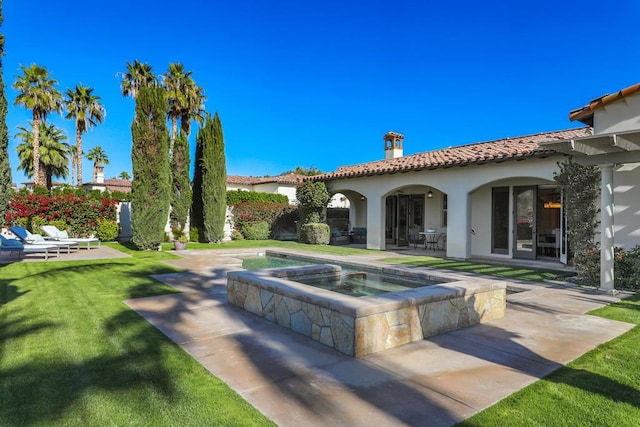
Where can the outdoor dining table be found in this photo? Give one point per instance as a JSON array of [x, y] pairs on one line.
[[430, 239]]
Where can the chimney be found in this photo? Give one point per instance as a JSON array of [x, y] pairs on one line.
[[393, 145], [99, 178]]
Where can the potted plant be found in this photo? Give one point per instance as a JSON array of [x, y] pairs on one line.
[[180, 239]]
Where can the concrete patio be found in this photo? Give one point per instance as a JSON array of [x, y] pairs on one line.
[[436, 382]]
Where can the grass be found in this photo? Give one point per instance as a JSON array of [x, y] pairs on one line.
[[505, 271], [245, 244], [602, 387], [72, 353]]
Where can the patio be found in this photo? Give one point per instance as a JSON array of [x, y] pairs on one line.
[[438, 381]]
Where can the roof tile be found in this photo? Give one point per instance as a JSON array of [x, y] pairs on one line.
[[520, 147]]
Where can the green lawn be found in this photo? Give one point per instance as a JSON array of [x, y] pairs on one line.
[[72, 353], [601, 388], [244, 244], [497, 270]]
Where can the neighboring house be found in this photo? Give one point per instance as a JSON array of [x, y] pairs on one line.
[[281, 184], [30, 185], [497, 199], [112, 184]]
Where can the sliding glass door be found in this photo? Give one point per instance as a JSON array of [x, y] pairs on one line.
[[524, 200]]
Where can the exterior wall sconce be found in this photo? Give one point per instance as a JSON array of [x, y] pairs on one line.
[[362, 198], [429, 194]]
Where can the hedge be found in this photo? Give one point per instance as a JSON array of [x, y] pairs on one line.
[[235, 197], [277, 216], [80, 214]]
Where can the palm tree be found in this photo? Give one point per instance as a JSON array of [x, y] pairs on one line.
[[194, 108], [138, 75], [37, 93], [54, 152], [124, 175], [99, 157], [185, 100], [87, 111]]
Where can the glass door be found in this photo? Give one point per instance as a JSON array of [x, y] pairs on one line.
[[403, 223], [524, 244]]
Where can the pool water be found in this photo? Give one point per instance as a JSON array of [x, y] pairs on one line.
[[351, 282]]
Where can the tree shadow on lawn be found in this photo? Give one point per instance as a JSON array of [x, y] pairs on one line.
[[130, 359]]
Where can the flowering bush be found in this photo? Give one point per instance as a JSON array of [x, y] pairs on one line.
[[626, 267], [79, 214]]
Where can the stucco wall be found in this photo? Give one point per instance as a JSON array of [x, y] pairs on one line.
[[626, 181], [457, 183], [619, 116]]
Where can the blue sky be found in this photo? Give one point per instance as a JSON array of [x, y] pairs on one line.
[[300, 83]]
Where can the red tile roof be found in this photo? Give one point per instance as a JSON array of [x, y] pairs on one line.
[[252, 180], [499, 150], [113, 184], [585, 114]]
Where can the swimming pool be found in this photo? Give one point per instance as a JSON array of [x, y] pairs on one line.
[[368, 323], [355, 282]]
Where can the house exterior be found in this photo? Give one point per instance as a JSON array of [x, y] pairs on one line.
[[281, 184], [498, 199], [112, 184]]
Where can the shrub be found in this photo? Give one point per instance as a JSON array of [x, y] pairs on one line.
[[315, 233], [107, 230], [256, 231], [626, 267], [36, 224], [78, 215], [277, 216], [194, 234], [235, 197], [236, 235]]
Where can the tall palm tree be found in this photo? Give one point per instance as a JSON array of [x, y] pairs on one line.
[[124, 175], [194, 109], [138, 75], [54, 152], [37, 92], [85, 107], [99, 157], [185, 100]]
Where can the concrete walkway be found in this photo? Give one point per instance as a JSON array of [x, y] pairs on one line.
[[435, 382]]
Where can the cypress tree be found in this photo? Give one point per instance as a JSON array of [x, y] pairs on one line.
[[5, 168], [214, 183], [181, 186], [151, 187], [197, 220]]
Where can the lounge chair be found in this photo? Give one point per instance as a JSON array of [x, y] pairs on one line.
[[28, 238], [15, 246], [53, 233]]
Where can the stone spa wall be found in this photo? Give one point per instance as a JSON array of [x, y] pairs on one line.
[[357, 326]]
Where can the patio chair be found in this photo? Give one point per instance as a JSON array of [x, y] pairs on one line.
[[415, 237], [15, 246], [27, 238], [53, 233]]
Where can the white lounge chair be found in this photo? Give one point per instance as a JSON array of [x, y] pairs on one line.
[[15, 246], [29, 239], [53, 233]]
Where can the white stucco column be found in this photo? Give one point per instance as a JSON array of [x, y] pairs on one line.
[[375, 224], [459, 225], [606, 229]]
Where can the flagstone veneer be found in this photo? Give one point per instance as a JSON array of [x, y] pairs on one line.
[[358, 326]]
